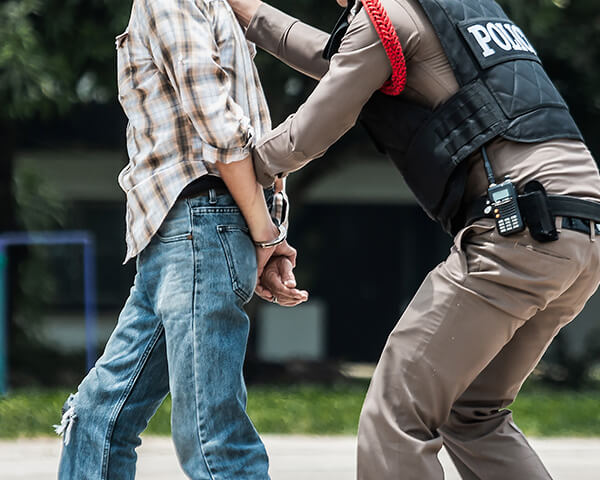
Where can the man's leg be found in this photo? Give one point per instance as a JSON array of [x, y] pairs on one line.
[[466, 310], [104, 419], [480, 434], [199, 288]]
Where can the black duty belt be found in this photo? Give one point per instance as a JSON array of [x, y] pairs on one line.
[[576, 213], [202, 185]]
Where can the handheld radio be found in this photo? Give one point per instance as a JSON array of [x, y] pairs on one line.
[[502, 202]]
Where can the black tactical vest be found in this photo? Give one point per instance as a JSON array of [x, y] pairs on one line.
[[504, 92]]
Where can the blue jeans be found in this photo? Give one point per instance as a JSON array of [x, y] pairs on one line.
[[183, 329]]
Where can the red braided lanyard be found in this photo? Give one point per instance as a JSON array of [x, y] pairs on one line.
[[391, 43]]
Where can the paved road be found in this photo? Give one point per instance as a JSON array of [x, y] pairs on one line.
[[292, 458]]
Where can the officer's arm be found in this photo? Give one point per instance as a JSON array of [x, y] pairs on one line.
[[356, 71], [295, 43]]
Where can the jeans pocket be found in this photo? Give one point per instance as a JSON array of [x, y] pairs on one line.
[[240, 255], [177, 226]]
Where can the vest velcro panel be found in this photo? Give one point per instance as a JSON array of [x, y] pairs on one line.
[[458, 128]]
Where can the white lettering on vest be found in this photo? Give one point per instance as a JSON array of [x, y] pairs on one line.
[[483, 38], [511, 36], [506, 36], [499, 37], [523, 38]]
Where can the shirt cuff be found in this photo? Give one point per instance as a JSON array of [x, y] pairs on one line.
[[212, 154], [268, 27], [263, 174], [280, 208]]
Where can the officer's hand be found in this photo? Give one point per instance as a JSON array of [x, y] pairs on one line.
[[245, 9], [279, 283]]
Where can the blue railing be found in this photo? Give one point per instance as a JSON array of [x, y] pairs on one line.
[[89, 287]]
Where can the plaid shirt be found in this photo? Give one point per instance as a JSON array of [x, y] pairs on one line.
[[191, 92]]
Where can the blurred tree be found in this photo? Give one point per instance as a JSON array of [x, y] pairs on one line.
[[53, 55], [57, 55], [566, 34]]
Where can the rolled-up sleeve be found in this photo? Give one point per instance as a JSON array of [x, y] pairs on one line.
[[184, 47]]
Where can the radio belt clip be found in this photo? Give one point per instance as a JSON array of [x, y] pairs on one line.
[[537, 212]]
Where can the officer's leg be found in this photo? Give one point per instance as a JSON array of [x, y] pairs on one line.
[[103, 420], [466, 310], [480, 434]]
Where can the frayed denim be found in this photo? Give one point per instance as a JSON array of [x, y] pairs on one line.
[[183, 330]]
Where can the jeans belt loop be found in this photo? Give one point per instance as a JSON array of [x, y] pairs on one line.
[[558, 223], [212, 196], [592, 231]]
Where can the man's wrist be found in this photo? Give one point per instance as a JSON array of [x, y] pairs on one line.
[[281, 236], [265, 233]]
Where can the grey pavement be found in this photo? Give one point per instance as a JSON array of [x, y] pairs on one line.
[[293, 457]]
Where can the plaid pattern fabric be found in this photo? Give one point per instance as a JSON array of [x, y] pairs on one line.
[[190, 89]]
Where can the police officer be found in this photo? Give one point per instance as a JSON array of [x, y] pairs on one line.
[[491, 152]]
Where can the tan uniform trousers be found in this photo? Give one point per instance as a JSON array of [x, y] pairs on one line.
[[475, 330]]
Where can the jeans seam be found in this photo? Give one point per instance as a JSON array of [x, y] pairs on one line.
[[235, 283], [214, 210], [139, 272], [194, 359], [121, 402]]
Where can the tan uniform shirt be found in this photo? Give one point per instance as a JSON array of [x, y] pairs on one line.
[[360, 68]]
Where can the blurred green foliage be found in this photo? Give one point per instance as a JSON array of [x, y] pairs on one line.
[[310, 409], [27, 78], [58, 53], [54, 54], [544, 413], [566, 34], [40, 207]]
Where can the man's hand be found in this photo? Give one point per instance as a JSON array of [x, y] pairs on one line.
[[245, 9], [282, 250], [278, 283]]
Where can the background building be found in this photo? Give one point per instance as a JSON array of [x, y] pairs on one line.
[[364, 245]]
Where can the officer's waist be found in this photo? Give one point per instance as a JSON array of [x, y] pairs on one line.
[[576, 212]]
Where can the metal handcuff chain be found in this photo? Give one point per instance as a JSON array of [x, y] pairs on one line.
[[273, 243]]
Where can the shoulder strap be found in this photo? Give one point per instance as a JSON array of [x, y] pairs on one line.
[[389, 38], [333, 45]]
